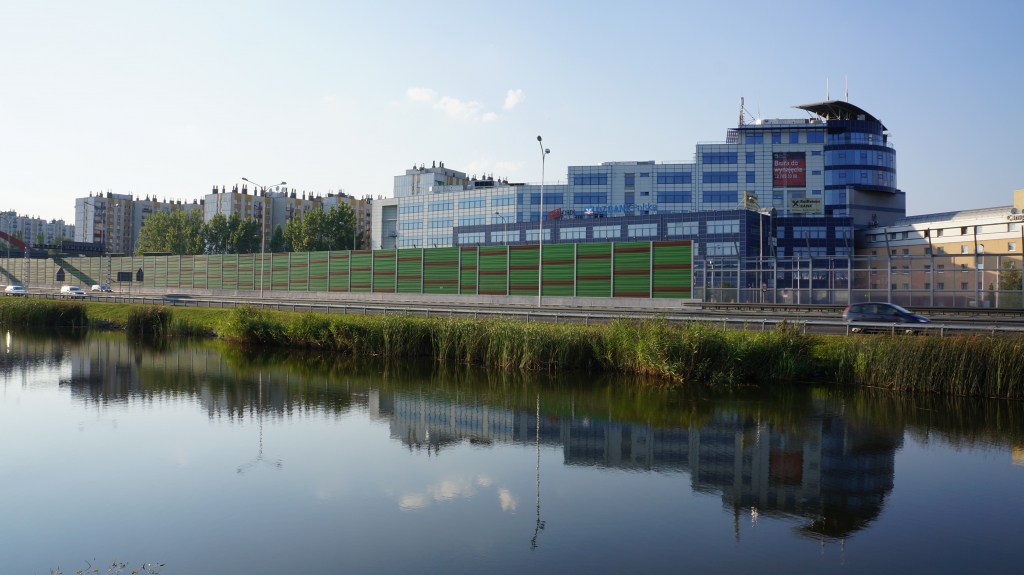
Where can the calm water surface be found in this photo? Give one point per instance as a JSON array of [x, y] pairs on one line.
[[218, 460]]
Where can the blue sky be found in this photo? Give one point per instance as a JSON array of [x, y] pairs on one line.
[[169, 99]]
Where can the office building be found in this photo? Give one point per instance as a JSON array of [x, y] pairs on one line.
[[806, 184]]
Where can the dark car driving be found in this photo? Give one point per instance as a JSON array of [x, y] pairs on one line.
[[881, 313]]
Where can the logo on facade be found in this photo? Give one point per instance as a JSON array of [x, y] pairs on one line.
[[805, 205], [619, 209]]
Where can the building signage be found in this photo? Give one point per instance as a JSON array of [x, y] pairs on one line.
[[806, 205], [1015, 218], [591, 211], [789, 169], [750, 201]]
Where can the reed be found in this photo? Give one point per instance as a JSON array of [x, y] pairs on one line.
[[42, 313], [149, 320]]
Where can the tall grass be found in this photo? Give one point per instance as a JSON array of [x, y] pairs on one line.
[[42, 313], [689, 353], [149, 320]]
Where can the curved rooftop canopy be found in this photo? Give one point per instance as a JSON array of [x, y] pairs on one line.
[[838, 110]]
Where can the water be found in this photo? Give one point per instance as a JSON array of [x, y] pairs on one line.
[[217, 460]]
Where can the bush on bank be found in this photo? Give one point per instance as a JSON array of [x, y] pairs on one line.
[[22, 311]]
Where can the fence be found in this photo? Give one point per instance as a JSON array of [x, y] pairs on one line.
[[619, 269]]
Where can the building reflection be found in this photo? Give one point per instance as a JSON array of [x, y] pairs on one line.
[[829, 468]]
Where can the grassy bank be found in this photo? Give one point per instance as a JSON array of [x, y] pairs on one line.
[[692, 353]]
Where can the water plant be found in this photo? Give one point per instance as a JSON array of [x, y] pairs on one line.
[[42, 313]]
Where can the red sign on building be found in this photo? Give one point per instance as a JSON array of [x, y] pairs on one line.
[[555, 214], [789, 169]]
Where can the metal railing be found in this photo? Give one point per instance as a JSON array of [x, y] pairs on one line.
[[820, 326]]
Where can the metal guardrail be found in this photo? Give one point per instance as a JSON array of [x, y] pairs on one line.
[[835, 327]]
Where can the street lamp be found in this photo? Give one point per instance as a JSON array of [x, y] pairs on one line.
[[103, 232], [263, 231], [540, 251], [504, 237]]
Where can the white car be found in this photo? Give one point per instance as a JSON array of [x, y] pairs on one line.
[[102, 288], [72, 291], [15, 290]]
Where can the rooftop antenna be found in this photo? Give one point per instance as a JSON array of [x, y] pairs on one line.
[[741, 111], [826, 90], [846, 78]]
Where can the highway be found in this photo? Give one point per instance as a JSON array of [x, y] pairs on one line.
[[809, 318]]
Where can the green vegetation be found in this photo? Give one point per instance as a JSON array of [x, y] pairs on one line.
[[183, 232], [42, 313], [231, 235], [148, 320], [319, 230]]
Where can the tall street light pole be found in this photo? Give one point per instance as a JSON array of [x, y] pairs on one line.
[[540, 251], [504, 237], [263, 232]]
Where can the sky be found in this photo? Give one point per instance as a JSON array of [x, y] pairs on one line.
[[172, 98]]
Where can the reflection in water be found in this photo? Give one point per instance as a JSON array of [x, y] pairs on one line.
[[826, 457]]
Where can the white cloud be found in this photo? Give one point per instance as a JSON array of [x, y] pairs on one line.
[[420, 95], [454, 108], [412, 502], [508, 166], [488, 116], [508, 501], [513, 98]]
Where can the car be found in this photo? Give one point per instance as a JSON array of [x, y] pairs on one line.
[[72, 291], [881, 313], [15, 290], [102, 288]]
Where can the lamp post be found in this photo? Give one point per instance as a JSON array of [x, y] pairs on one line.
[[263, 231], [540, 251], [103, 232], [504, 237]]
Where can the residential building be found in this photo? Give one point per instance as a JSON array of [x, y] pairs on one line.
[[32, 229], [114, 220]]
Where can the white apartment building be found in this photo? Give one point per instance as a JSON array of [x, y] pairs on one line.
[[114, 220], [32, 229]]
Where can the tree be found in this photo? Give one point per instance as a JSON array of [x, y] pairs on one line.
[[318, 230], [1010, 284], [179, 232], [231, 235], [40, 238], [277, 243]]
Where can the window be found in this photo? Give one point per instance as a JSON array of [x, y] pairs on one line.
[[674, 197], [509, 200], [723, 227], [720, 197], [981, 248], [720, 249], [755, 138], [815, 152], [927, 251], [892, 252], [410, 208], [411, 225], [551, 199], [572, 233], [963, 267], [906, 269], [439, 241], [469, 203], [590, 180], [683, 228], [471, 238], [409, 242], [499, 218], [906, 252], [532, 235], [607, 231], [1011, 247], [472, 221], [815, 192], [938, 233], [1011, 227], [441, 206], [502, 237], [810, 232], [750, 178], [963, 285], [751, 158], [940, 286], [645, 175], [941, 250], [906, 286], [816, 138], [794, 137], [927, 285], [776, 137], [963, 231], [440, 223], [674, 178], [720, 157], [589, 198], [642, 230], [815, 172], [963, 249], [778, 196], [630, 180], [720, 178], [874, 253]]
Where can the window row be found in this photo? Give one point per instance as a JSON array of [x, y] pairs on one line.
[[720, 178], [590, 180]]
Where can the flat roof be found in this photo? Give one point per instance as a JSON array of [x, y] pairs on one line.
[[838, 110], [954, 216]]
